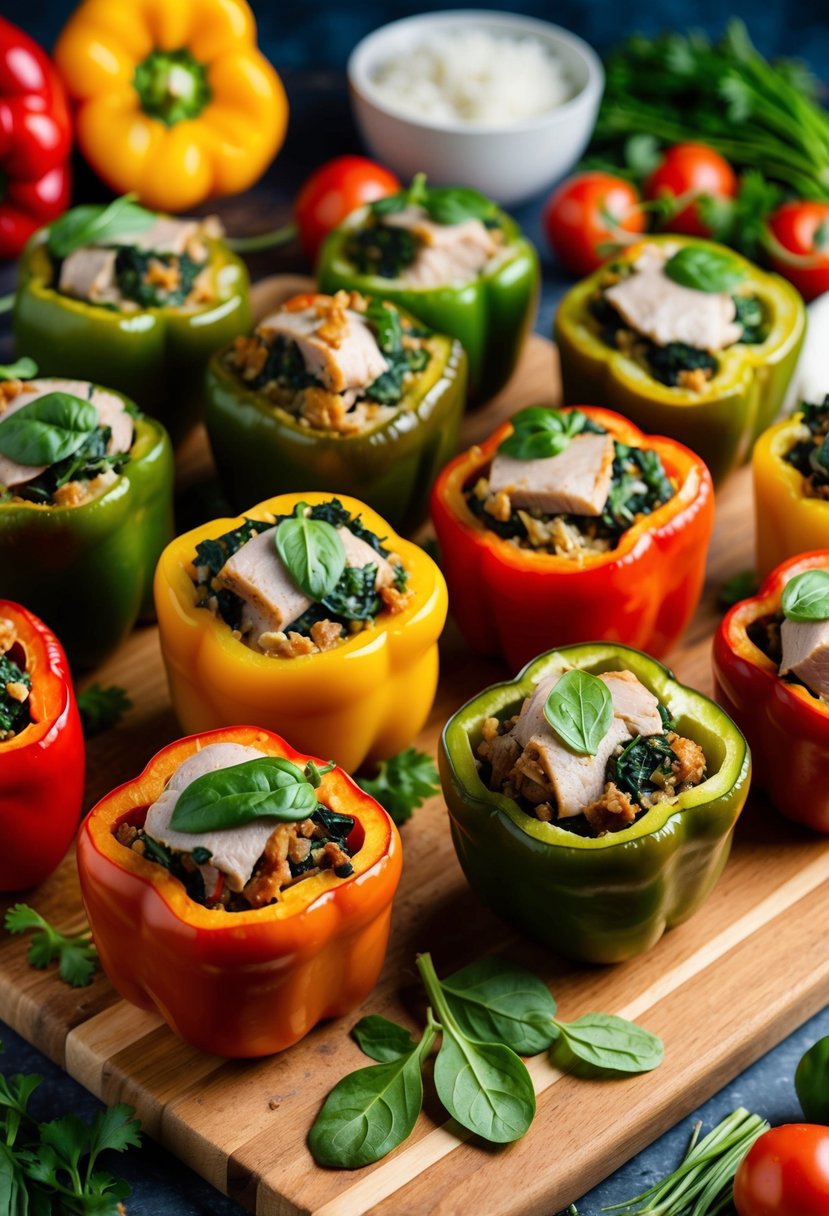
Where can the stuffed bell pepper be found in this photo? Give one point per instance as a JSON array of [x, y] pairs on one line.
[[337, 393], [685, 338], [770, 673], [41, 751], [137, 300], [307, 615], [790, 467], [86, 506], [592, 799], [241, 889], [454, 260], [566, 525]]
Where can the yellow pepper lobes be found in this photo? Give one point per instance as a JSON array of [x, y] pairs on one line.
[[174, 100], [788, 520], [361, 701]]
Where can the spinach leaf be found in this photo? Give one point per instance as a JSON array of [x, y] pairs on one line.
[[642, 757], [666, 363], [381, 1039], [354, 598], [92, 224], [48, 429], [495, 1002], [580, 711], [21, 369], [131, 266], [270, 788], [14, 714], [806, 596], [484, 1086], [748, 312], [609, 1043], [312, 551], [705, 269], [538, 433], [380, 250]]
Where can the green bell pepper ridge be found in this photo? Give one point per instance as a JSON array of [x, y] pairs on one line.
[[721, 423], [811, 1082], [156, 356], [88, 570], [601, 899], [261, 450], [490, 315]]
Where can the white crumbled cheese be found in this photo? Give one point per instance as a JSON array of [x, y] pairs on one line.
[[475, 76]]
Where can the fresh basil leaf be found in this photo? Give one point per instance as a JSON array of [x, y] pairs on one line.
[[485, 1087], [538, 433], [270, 788], [610, 1044], [580, 711], [806, 596], [381, 1039], [704, 269], [114, 224], [495, 1002], [312, 551], [454, 204], [48, 429], [390, 204], [368, 1113], [21, 369]]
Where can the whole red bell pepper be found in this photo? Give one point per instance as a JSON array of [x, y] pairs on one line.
[[786, 726], [516, 603], [42, 764], [35, 140]]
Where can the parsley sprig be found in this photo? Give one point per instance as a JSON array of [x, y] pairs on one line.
[[76, 956], [403, 783]]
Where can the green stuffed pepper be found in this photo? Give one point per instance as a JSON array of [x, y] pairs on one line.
[[139, 301], [86, 485], [685, 338], [340, 394], [454, 260], [598, 836]]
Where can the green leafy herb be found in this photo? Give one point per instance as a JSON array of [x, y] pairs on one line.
[[115, 224], [77, 957], [538, 433], [806, 596], [21, 369], [14, 714], [381, 1039], [610, 1044], [131, 266], [738, 587], [48, 429], [312, 552], [102, 707], [495, 1002], [580, 711], [637, 763], [704, 269], [269, 788], [454, 204], [403, 783]]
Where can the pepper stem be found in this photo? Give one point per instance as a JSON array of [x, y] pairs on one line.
[[263, 240], [171, 86]]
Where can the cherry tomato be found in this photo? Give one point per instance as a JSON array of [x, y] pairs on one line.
[[335, 190], [586, 211], [691, 169], [785, 1173], [802, 228]]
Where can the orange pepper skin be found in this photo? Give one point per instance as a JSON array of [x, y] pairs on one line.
[[238, 984], [786, 726], [515, 603], [366, 698], [789, 521], [41, 767], [173, 99]]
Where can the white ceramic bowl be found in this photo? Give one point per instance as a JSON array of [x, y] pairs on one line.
[[509, 163]]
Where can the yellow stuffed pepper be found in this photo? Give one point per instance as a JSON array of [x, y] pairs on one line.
[[306, 615], [791, 487]]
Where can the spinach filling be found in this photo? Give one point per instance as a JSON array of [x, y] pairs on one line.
[[131, 270], [285, 365], [14, 714], [810, 456], [87, 462], [643, 758], [381, 250]]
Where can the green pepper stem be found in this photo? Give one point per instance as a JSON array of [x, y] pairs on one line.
[[171, 85], [263, 240]]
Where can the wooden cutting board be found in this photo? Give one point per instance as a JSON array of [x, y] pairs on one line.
[[720, 990]]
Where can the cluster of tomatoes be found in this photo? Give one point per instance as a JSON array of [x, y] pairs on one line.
[[591, 212]]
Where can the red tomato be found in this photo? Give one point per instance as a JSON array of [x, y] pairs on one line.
[[785, 1173], [802, 228], [691, 169], [335, 190], [588, 210]]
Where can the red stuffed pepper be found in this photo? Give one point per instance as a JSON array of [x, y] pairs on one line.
[[41, 751], [768, 659], [35, 140], [241, 889], [569, 526]]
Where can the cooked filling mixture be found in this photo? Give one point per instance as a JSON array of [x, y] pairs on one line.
[[166, 266], [339, 363], [242, 579], [246, 866], [15, 683], [99, 451], [640, 762], [810, 452], [800, 649], [674, 332], [580, 501]]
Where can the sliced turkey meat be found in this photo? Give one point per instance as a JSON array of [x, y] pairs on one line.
[[576, 482], [338, 348], [89, 274], [633, 703], [448, 253], [806, 653]]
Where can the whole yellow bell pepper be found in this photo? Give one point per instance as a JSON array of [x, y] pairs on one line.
[[361, 701], [789, 521], [174, 100]]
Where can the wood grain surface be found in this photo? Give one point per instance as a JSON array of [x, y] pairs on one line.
[[720, 990]]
